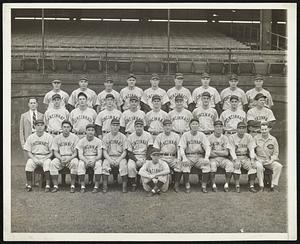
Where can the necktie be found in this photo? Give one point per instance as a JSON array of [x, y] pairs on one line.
[[33, 120]]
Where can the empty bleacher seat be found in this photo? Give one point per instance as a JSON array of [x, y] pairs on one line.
[[246, 68]]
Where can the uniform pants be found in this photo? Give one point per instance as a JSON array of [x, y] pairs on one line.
[[97, 166], [222, 162], [196, 161], [133, 166], [57, 165], [173, 163], [31, 165], [163, 178], [276, 167], [123, 167]]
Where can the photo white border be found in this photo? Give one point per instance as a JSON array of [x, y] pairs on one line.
[[291, 118]]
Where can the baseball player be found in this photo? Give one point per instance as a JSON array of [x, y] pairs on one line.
[[197, 93], [155, 90], [114, 150], [231, 117], [104, 118], [194, 150], [56, 90], [155, 175], [90, 155], [260, 113], [129, 91], [258, 83], [233, 90], [55, 115], [267, 151], [178, 89], [206, 115], [139, 145], [131, 115], [101, 98], [219, 155], [83, 88], [65, 153], [38, 145], [154, 118], [244, 157], [167, 143], [180, 116]]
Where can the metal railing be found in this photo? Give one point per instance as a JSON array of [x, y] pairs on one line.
[[281, 41]]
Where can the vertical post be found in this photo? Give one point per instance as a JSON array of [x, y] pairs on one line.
[[265, 29], [43, 42], [277, 42], [168, 56], [229, 58]]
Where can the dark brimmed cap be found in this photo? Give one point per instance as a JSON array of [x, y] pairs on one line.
[[206, 94], [156, 97], [131, 75], [109, 96], [90, 126], [66, 122], [218, 122], [154, 76], [233, 77], [56, 96], [234, 97], [39, 121], [179, 97], [259, 95], [241, 125], [139, 122], [167, 122], [134, 97], [115, 122], [178, 76], [205, 75], [81, 94]]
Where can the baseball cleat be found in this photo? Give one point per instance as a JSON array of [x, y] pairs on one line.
[[158, 191], [28, 188], [133, 188], [82, 190], [188, 190], [72, 190], [104, 190], [204, 190], [95, 190], [274, 189], [47, 189], [214, 188], [150, 194], [251, 189], [55, 189], [237, 189], [124, 189], [261, 189], [176, 188], [226, 189]]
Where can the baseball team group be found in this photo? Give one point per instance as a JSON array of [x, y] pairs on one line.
[[152, 137]]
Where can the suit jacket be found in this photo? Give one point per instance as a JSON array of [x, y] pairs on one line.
[[26, 127]]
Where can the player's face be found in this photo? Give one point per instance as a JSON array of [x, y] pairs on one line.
[[205, 100], [83, 83], [156, 103], [32, 104], [154, 82], [261, 102], [168, 128], [219, 129], [133, 104], [155, 158], [56, 85], [66, 128], [109, 102], [90, 132], [108, 85], [258, 83], [234, 103], [131, 81], [179, 104], [40, 127], [56, 102], [178, 82], [205, 81], [241, 130], [114, 128], [82, 100], [139, 128], [264, 130], [194, 126], [233, 83]]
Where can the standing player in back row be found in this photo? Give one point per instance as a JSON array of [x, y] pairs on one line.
[[155, 90], [197, 93], [83, 88], [178, 89], [233, 90], [56, 90]]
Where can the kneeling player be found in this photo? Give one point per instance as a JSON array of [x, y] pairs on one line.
[[65, 155], [139, 144], [220, 148], [244, 145], [155, 175], [90, 154]]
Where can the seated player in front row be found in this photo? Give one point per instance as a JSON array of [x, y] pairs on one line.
[[90, 155], [155, 174], [65, 153], [38, 145]]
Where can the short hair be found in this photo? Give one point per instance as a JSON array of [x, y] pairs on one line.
[[35, 98], [194, 120]]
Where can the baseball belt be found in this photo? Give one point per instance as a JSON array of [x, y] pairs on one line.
[[230, 132], [168, 154], [208, 132], [190, 154], [241, 154], [154, 133], [105, 131], [179, 133], [39, 154], [54, 132], [79, 133]]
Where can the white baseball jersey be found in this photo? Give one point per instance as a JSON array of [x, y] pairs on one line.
[[243, 145], [180, 120], [128, 118], [184, 92], [91, 97], [267, 148], [194, 143], [154, 120], [227, 93], [65, 146], [115, 145], [150, 168], [231, 118], [105, 117], [89, 148], [197, 94], [138, 144], [126, 93], [167, 143], [101, 99], [53, 118], [81, 118], [218, 143], [206, 118], [64, 98], [253, 92], [263, 114], [150, 92], [40, 145]]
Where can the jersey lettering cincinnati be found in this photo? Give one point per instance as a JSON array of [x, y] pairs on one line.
[[154, 170], [127, 96], [139, 142], [180, 117], [65, 144], [185, 97], [193, 141], [168, 142], [205, 115], [90, 150], [156, 119], [233, 116], [36, 143], [131, 118], [115, 142], [109, 116], [52, 116], [82, 116], [216, 145], [261, 117]]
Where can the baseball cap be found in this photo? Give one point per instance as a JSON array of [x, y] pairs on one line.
[[233, 77], [109, 96], [131, 75], [179, 76], [206, 94], [156, 97], [81, 94], [134, 97], [253, 123], [154, 76], [193, 120], [83, 77], [56, 81], [178, 97], [66, 122], [234, 97], [259, 95], [259, 77], [39, 121], [139, 122], [218, 122], [90, 126], [241, 125], [56, 96], [115, 122], [205, 75], [167, 122], [109, 80], [155, 152]]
